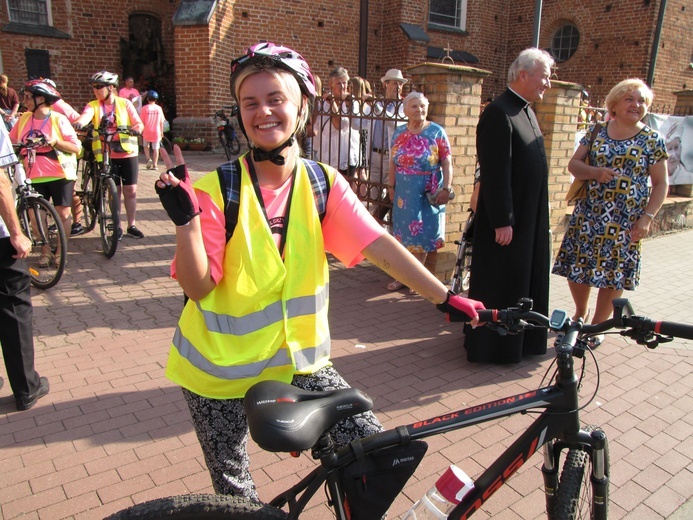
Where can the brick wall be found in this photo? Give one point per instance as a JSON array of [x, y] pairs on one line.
[[616, 41]]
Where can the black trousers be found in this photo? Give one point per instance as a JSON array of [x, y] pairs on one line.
[[16, 329]]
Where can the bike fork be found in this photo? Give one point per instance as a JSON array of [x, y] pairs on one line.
[[599, 478], [550, 472]]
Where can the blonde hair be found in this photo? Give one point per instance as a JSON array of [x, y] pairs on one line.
[[623, 88], [358, 87]]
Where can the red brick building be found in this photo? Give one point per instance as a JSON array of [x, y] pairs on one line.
[[183, 47]]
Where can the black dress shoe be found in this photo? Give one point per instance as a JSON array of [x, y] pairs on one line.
[[24, 403]]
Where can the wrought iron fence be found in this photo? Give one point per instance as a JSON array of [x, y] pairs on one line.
[[354, 136]]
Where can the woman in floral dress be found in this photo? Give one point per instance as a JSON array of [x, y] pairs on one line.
[[601, 247], [420, 157]]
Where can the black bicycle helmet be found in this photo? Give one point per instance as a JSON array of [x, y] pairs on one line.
[[271, 55], [41, 87], [105, 78]]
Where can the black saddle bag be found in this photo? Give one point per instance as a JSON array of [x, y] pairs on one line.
[[372, 483]]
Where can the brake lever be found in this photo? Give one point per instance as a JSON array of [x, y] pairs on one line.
[[650, 340]]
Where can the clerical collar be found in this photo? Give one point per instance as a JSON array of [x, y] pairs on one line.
[[518, 95]]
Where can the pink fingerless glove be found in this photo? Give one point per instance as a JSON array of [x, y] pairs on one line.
[[458, 308], [180, 202]]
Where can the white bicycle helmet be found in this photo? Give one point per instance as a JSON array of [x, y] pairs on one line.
[[105, 77]]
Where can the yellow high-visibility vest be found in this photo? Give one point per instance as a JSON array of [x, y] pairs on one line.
[[127, 142], [267, 317]]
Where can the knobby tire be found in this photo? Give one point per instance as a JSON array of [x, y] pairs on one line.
[[45, 228], [109, 219], [200, 507], [574, 494]]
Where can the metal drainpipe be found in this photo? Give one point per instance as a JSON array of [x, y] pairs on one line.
[[538, 4], [363, 39], [655, 43]]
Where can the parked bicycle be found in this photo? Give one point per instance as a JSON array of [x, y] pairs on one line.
[[463, 265], [40, 222], [362, 480], [98, 190], [227, 131]]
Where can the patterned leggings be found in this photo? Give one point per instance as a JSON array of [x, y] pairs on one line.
[[222, 430]]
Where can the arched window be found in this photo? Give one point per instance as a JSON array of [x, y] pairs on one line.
[[565, 42]]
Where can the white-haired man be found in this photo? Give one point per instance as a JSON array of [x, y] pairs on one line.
[[512, 247]]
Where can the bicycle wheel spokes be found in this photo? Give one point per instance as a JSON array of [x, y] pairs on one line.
[[86, 195], [109, 220], [46, 261]]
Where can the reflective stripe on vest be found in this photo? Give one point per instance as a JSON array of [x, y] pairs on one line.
[[66, 160], [267, 317], [122, 118]]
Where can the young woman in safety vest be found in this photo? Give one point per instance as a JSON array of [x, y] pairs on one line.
[[54, 171], [258, 301], [119, 112]]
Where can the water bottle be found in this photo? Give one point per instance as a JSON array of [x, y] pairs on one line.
[[448, 491]]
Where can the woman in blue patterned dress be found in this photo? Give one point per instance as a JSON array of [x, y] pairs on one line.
[[601, 247], [420, 157]]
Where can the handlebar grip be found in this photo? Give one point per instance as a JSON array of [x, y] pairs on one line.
[[669, 328], [488, 315]]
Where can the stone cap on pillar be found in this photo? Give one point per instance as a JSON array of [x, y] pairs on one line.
[[436, 68]]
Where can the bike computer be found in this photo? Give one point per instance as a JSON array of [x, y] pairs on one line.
[[558, 319]]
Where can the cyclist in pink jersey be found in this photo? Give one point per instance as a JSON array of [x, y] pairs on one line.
[[259, 298], [118, 112], [54, 168]]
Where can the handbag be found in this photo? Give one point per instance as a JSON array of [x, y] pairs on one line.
[[578, 189]]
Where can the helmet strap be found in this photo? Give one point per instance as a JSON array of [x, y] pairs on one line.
[[273, 156]]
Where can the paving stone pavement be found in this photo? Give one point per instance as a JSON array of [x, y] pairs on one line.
[[113, 431]]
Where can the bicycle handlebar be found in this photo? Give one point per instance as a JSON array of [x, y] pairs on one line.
[[644, 330], [106, 131]]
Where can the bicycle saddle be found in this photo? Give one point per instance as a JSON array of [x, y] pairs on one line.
[[284, 418]]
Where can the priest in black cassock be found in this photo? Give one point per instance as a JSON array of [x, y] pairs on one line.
[[511, 251]]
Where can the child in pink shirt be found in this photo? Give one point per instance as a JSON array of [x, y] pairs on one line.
[[153, 118]]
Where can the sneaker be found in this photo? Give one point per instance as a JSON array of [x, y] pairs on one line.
[[149, 164], [77, 229], [24, 403], [134, 232]]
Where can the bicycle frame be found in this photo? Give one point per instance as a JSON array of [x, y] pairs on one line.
[[558, 422]]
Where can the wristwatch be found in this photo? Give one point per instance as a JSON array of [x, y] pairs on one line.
[[450, 192]]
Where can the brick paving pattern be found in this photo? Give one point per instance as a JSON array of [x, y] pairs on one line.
[[114, 432]]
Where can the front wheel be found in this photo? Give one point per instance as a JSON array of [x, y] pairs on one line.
[[41, 223], [194, 507], [225, 145], [109, 218], [576, 496], [87, 195]]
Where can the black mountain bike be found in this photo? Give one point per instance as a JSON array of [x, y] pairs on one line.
[[227, 132], [363, 479], [98, 191], [41, 223]]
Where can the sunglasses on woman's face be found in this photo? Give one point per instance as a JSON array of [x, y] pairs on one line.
[[98, 87]]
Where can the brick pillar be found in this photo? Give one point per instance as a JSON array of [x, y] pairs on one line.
[[684, 103], [558, 119], [454, 94]]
